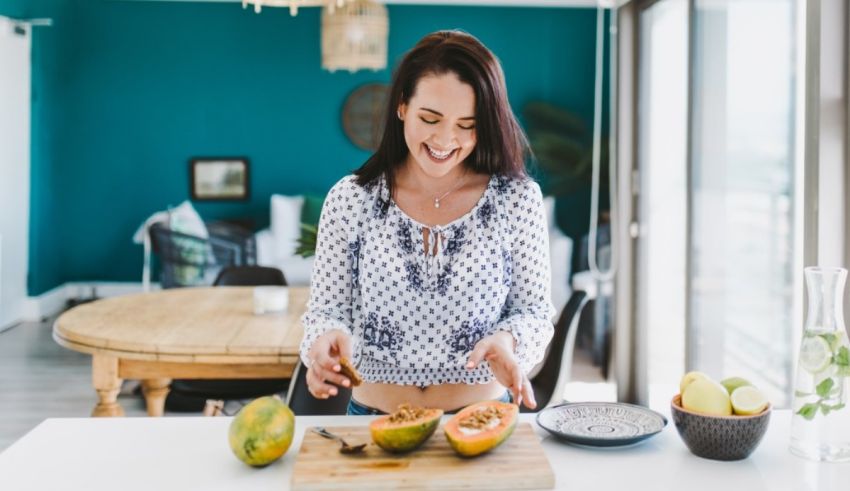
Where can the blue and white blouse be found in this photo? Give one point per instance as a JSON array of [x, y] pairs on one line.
[[415, 317]]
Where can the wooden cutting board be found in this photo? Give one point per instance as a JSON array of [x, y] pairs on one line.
[[519, 463]]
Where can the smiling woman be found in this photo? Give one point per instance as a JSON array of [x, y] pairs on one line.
[[432, 267]]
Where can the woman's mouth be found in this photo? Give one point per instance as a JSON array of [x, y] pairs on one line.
[[437, 155]]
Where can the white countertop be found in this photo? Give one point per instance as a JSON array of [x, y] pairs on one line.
[[182, 453]]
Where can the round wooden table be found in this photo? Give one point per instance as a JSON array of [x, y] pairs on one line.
[[193, 333]]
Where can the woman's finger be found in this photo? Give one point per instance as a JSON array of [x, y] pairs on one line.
[[324, 360], [333, 377], [528, 393], [478, 353], [318, 387]]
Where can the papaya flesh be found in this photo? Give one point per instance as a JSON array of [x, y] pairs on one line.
[[262, 431], [481, 427], [405, 429]]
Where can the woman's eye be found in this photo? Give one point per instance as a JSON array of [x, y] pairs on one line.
[[429, 121], [466, 127]]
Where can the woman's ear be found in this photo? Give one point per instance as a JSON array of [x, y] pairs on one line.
[[401, 111]]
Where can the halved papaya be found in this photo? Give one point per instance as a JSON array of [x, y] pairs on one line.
[[481, 427], [405, 429]]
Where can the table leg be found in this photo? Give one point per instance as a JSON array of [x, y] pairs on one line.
[[107, 384], [155, 391]]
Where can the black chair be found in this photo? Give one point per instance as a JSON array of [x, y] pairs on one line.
[[186, 260], [250, 276], [190, 395], [302, 402], [555, 372]]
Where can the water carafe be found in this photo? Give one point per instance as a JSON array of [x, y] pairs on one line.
[[820, 421]]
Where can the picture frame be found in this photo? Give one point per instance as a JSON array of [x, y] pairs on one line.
[[219, 179]]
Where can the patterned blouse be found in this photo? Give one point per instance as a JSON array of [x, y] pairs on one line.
[[415, 317]]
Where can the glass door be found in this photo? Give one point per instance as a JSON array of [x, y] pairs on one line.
[[716, 214]]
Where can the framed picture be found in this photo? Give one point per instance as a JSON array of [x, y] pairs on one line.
[[217, 179]]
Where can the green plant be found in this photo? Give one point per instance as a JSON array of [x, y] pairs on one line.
[[562, 148], [307, 241]]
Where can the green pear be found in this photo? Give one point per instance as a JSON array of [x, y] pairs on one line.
[[706, 396]]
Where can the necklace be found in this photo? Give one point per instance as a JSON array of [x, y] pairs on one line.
[[438, 199]]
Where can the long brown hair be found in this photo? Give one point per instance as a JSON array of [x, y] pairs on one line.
[[501, 147]]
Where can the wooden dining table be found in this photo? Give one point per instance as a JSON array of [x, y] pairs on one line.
[[184, 333]]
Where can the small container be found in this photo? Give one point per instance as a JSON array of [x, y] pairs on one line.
[[270, 299], [719, 437]]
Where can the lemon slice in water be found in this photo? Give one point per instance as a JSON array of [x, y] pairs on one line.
[[748, 400], [815, 354]]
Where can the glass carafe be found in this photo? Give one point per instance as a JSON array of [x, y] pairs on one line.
[[820, 422]]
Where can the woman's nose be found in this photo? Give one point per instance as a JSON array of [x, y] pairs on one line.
[[445, 137]]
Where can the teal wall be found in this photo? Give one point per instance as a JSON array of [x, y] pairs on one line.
[[124, 93]]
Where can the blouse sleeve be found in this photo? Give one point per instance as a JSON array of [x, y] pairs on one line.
[[528, 311], [330, 304]]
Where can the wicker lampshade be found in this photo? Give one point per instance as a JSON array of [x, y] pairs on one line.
[[354, 36], [293, 4]]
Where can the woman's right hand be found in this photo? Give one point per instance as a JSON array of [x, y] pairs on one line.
[[323, 373]]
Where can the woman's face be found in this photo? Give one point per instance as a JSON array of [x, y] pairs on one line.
[[439, 124]]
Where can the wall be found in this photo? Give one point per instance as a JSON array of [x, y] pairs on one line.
[[126, 92]]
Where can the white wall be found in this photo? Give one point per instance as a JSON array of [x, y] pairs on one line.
[[14, 169]]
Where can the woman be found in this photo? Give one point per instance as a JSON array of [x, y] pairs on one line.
[[432, 264]]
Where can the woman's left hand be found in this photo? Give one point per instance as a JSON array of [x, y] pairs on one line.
[[498, 350]]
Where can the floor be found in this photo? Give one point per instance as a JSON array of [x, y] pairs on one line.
[[39, 379]]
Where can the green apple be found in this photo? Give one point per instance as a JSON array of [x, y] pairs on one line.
[[706, 396], [733, 383]]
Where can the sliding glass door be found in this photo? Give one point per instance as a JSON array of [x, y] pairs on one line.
[[717, 256]]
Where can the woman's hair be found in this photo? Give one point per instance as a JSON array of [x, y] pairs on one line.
[[501, 147]]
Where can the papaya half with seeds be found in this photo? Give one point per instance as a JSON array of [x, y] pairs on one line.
[[405, 429], [481, 427]]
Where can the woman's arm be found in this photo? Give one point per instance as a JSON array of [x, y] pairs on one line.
[[528, 311], [330, 304]]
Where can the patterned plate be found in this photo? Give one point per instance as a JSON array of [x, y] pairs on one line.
[[601, 424]]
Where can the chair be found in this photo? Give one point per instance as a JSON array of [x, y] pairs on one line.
[[187, 260], [555, 372], [302, 402], [250, 276], [191, 395]]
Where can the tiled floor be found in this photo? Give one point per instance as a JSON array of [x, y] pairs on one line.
[[39, 379]]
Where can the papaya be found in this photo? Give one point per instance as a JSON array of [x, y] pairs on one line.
[[405, 429], [262, 431], [481, 427]]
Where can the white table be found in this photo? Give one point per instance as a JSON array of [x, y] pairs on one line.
[[182, 453]]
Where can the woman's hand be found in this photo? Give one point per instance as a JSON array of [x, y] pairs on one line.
[[498, 350], [323, 372]]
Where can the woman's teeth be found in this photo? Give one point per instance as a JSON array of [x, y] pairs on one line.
[[439, 155]]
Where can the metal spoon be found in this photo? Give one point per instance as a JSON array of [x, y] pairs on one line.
[[345, 448]]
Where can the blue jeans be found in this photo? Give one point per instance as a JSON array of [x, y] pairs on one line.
[[357, 409]]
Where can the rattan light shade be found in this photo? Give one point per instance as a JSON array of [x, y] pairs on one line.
[[354, 36]]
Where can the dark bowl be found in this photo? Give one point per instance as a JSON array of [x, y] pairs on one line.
[[719, 437]]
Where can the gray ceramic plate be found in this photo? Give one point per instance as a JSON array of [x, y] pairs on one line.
[[601, 424]]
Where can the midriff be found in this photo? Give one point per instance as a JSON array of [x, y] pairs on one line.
[[387, 397]]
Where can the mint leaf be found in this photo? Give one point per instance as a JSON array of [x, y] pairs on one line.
[[829, 338], [843, 371], [836, 407], [824, 387], [842, 358], [808, 411], [800, 393]]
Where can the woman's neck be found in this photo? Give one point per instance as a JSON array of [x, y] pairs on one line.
[[410, 176]]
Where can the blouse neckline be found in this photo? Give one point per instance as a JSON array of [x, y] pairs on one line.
[[483, 199]]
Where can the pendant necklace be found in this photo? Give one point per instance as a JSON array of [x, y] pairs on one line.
[[438, 199]]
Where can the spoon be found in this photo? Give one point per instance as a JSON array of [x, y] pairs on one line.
[[346, 448]]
